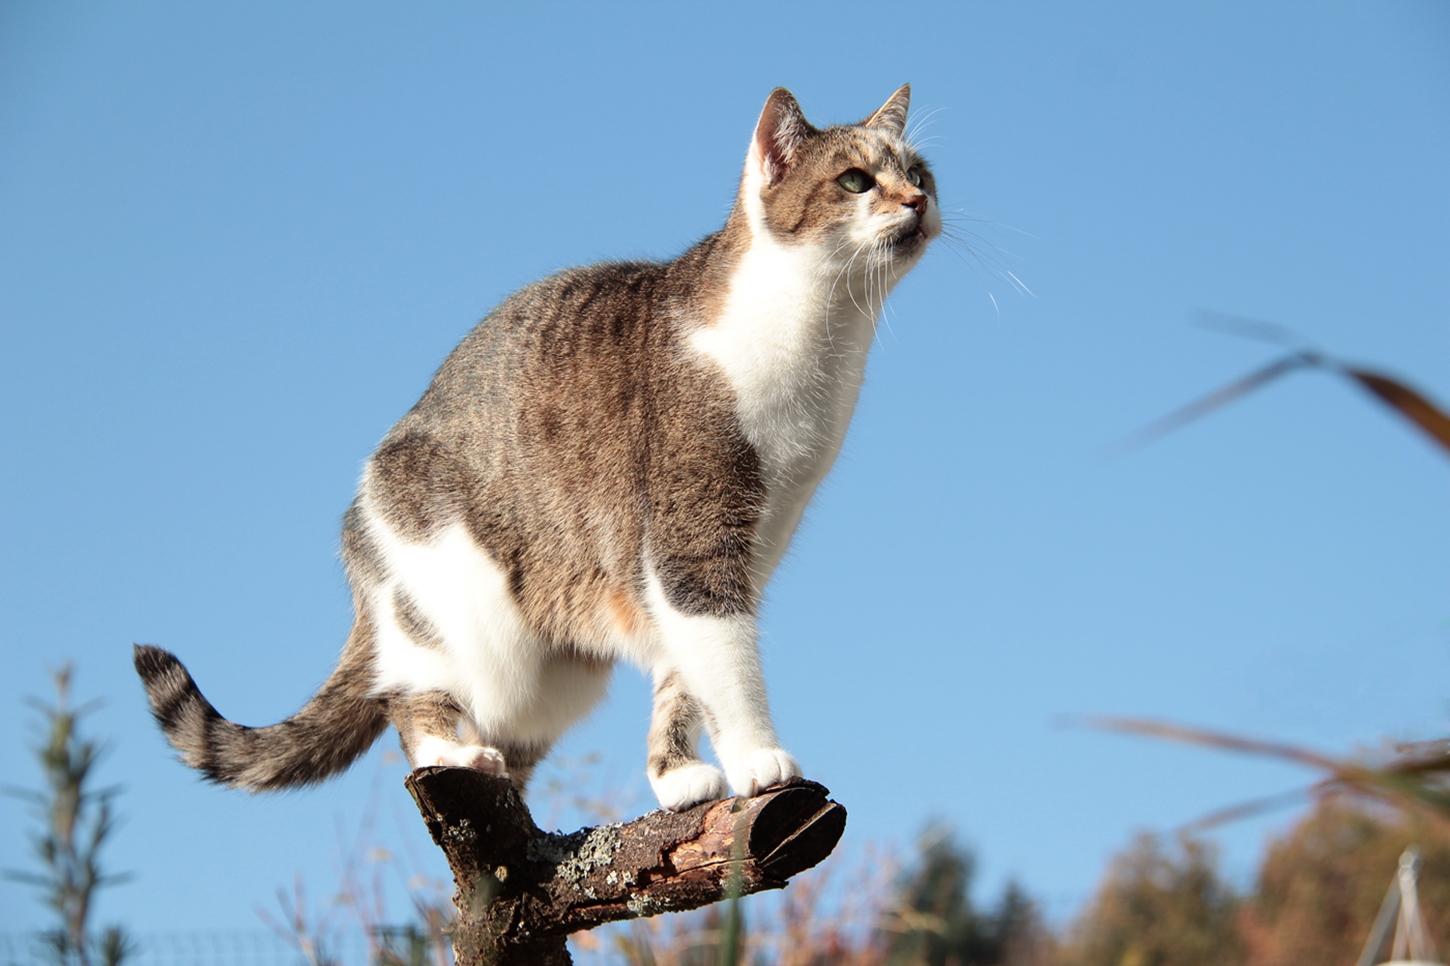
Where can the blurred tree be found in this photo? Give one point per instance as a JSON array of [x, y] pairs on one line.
[[76, 820], [932, 921], [1158, 909], [1321, 885]]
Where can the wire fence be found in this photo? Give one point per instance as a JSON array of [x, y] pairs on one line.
[[232, 947]]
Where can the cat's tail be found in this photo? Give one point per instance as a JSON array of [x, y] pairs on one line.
[[330, 732]]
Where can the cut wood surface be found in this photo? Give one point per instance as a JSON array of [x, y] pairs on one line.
[[521, 890]]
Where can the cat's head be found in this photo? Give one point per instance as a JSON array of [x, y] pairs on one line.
[[859, 193]]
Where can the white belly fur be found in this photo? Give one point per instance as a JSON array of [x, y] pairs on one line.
[[507, 681]]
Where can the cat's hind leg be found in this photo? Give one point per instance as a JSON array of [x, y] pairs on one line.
[[676, 773], [428, 725], [520, 758]]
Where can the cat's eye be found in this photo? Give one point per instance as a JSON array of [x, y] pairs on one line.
[[914, 176], [856, 181]]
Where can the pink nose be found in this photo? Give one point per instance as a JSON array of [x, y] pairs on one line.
[[918, 202]]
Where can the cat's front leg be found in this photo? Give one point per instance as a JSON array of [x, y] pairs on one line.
[[676, 773], [718, 660]]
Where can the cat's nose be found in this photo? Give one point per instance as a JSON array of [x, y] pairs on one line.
[[917, 202]]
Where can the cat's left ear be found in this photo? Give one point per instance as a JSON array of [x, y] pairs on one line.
[[891, 116], [779, 132]]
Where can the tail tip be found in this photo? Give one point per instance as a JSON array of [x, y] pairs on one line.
[[152, 662]]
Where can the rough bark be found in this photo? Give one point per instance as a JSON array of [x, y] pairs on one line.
[[520, 890]]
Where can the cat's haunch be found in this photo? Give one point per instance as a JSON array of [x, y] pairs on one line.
[[609, 467]]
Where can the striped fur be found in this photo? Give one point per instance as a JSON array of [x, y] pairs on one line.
[[326, 736]]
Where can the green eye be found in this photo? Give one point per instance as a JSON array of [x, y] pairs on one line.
[[914, 176], [856, 181]]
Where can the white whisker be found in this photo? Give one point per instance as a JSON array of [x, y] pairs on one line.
[[1021, 284], [917, 125]]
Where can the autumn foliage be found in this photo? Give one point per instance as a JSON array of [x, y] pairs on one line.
[[1314, 900], [1320, 887]]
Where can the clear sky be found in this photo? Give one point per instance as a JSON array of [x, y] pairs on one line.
[[236, 240]]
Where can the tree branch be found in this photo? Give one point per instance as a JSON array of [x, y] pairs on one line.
[[521, 890]]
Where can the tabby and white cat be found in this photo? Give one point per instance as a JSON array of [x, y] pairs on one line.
[[609, 467]]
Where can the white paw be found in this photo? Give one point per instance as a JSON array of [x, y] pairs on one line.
[[480, 758], [762, 768], [689, 785], [438, 751]]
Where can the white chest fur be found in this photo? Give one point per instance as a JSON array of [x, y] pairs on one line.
[[792, 341]]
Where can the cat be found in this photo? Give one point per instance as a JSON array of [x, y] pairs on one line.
[[608, 467]]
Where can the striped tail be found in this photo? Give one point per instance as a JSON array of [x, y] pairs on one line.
[[330, 732]]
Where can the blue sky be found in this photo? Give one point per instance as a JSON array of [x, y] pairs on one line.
[[236, 239]]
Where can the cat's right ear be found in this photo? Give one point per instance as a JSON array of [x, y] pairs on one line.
[[779, 132], [891, 116]]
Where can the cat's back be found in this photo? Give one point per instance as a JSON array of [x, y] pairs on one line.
[[596, 348], [579, 330], [553, 375]]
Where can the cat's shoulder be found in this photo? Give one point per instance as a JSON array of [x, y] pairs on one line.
[[576, 291]]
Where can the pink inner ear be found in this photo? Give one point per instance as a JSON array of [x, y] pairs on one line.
[[772, 165], [779, 131]]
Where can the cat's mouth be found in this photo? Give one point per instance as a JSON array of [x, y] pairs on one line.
[[910, 237]]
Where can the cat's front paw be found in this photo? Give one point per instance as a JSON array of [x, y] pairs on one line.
[[762, 768], [689, 785]]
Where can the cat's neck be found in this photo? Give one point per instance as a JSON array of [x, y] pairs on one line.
[[787, 325], [791, 330]]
